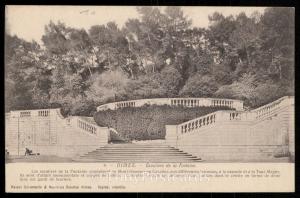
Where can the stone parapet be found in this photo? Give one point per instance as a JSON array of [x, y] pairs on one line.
[[186, 102], [47, 132], [271, 126]]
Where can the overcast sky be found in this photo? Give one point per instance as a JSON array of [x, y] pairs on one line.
[[28, 22]]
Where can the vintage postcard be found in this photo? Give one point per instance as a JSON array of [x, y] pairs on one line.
[[149, 99]]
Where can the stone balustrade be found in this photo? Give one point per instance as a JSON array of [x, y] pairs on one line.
[[47, 132], [34, 113], [86, 126], [252, 132], [222, 116], [268, 109], [185, 102], [197, 124]]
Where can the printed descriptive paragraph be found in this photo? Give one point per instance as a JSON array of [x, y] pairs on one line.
[[107, 177]]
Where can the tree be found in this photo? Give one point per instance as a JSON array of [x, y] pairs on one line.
[[156, 55], [199, 86], [278, 39], [170, 81]]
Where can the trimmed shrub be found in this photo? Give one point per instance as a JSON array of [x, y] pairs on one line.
[[148, 122]]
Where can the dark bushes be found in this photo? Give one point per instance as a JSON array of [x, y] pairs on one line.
[[148, 122]]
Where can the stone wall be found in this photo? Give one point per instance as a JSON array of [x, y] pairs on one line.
[[237, 135], [47, 132]]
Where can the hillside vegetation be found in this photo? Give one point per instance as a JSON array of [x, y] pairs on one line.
[[158, 54], [148, 122]]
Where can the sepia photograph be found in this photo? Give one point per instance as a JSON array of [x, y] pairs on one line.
[[149, 84]]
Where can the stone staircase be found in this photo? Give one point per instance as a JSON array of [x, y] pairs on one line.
[[137, 153]]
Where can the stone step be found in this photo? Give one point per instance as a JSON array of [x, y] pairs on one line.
[[136, 153], [139, 156], [139, 161], [137, 150], [134, 148], [137, 146]]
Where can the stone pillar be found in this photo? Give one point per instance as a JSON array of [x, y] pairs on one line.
[[172, 135]]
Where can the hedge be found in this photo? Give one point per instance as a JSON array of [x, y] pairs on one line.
[[148, 122]]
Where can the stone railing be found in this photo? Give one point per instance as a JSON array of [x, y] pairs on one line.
[[47, 132], [226, 116], [235, 131], [209, 120], [84, 124], [34, 113], [197, 124], [268, 109], [186, 102]]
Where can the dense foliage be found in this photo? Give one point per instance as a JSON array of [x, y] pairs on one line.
[[148, 122], [159, 55]]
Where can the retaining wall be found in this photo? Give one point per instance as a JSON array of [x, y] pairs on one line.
[[47, 132], [238, 135]]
